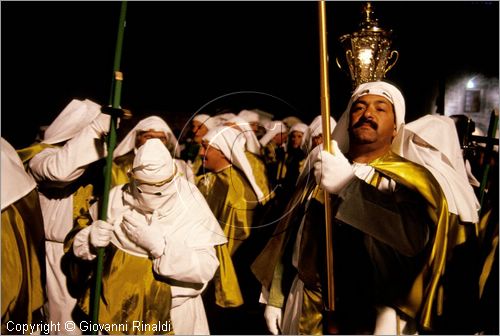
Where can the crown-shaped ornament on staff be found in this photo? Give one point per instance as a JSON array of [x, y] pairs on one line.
[[367, 51]]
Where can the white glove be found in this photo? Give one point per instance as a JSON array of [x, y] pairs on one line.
[[149, 237], [101, 233], [272, 315], [387, 321], [101, 123], [332, 171]]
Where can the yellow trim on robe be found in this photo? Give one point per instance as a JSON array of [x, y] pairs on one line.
[[121, 166], [425, 297], [26, 154], [227, 288], [312, 322], [233, 202], [197, 166], [130, 288], [131, 292]]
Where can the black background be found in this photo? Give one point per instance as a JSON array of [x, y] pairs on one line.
[[181, 56]]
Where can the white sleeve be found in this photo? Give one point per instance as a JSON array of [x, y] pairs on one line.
[[67, 163], [81, 245], [179, 262]]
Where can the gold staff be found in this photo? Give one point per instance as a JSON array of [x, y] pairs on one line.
[[325, 116]]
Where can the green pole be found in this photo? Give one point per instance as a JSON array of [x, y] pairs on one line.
[[115, 96]]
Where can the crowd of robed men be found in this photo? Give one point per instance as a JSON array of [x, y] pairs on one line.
[[227, 229]]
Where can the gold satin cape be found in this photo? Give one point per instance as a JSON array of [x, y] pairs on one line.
[[120, 168], [233, 203], [23, 260], [425, 298], [424, 301]]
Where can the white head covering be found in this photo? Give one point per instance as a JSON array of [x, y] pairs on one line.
[[249, 116], [315, 129], [275, 127], [432, 141], [75, 116], [153, 173], [154, 123], [169, 206], [302, 128], [153, 162], [16, 183], [386, 90], [316, 126], [208, 121], [299, 127], [252, 143], [291, 120], [225, 116], [230, 142]]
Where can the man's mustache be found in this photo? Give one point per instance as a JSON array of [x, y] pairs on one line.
[[364, 121]]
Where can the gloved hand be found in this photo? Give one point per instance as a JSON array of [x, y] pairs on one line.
[[272, 315], [332, 171], [101, 233], [101, 123], [149, 237]]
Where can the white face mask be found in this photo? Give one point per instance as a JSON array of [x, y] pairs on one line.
[[150, 198]]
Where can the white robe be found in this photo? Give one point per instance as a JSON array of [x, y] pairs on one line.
[[190, 231], [57, 168]]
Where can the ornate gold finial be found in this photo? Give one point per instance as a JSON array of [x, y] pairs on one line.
[[368, 21], [367, 51]]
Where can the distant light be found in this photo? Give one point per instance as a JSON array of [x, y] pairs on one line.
[[470, 84], [365, 56]]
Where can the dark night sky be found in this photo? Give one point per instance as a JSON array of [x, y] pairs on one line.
[[179, 56]]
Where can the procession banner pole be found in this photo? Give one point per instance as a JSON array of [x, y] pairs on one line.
[[114, 102]]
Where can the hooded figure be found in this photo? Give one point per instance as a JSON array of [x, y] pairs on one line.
[[274, 128], [125, 151], [66, 168], [23, 244], [208, 121], [273, 151], [429, 141], [231, 191], [300, 128], [250, 116], [314, 135], [161, 254], [230, 142], [253, 153]]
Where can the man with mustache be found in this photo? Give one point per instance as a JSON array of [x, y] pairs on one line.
[[388, 214]]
